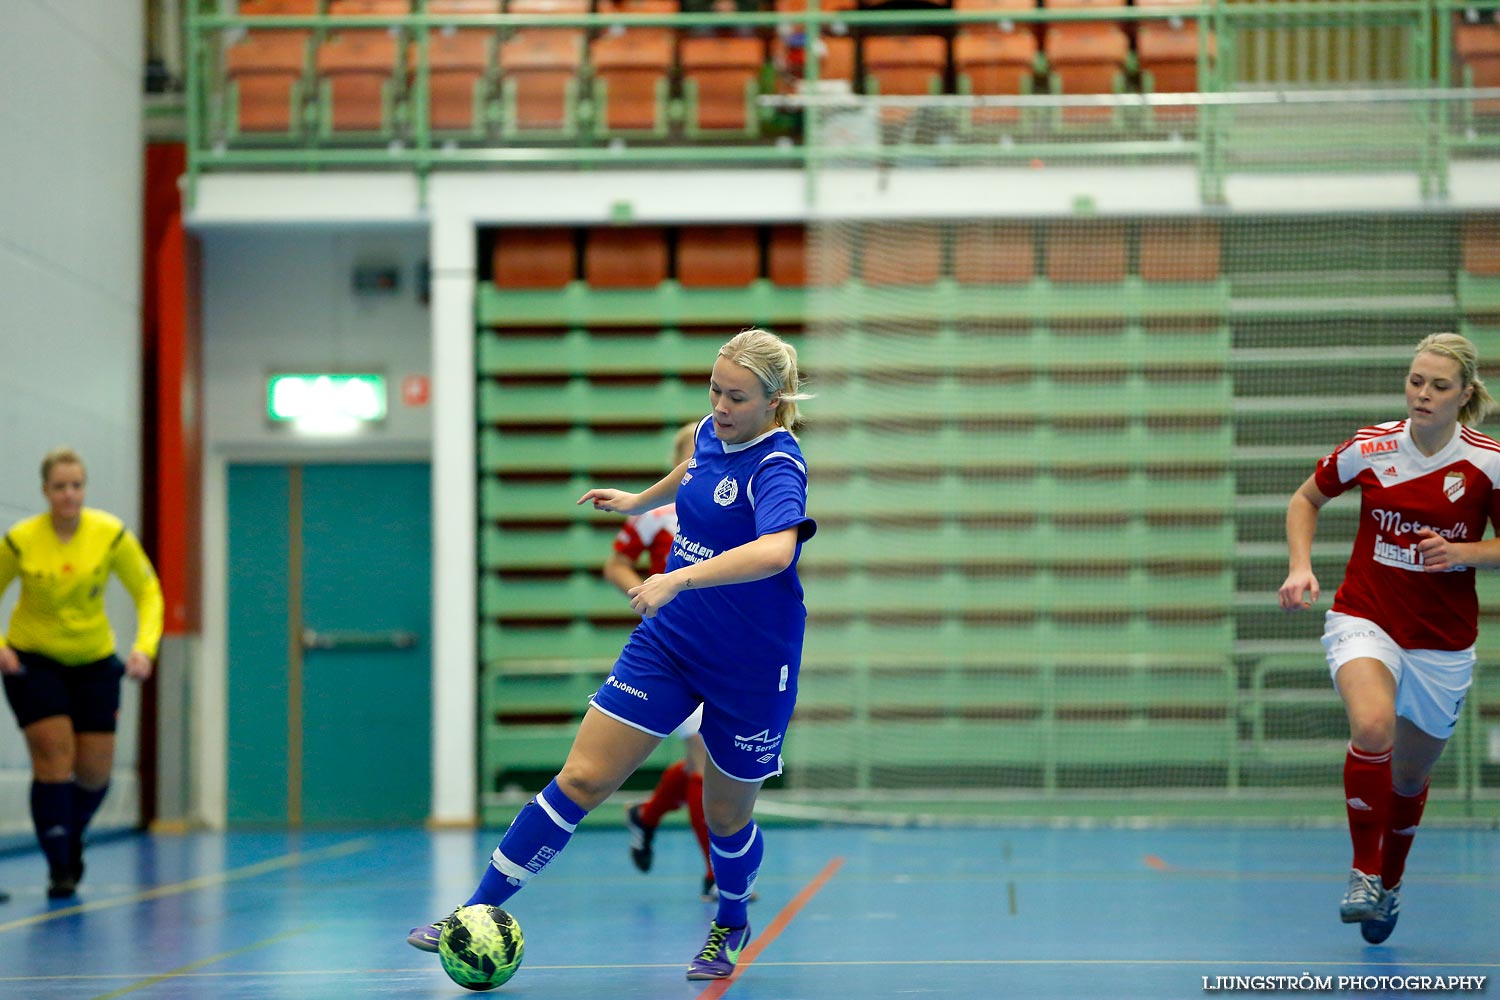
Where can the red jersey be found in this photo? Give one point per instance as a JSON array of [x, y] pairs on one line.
[[1453, 492], [650, 532]]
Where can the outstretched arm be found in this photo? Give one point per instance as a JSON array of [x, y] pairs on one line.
[[663, 492]]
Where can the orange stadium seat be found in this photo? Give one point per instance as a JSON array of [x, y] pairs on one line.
[[539, 80], [534, 258], [786, 255], [902, 65], [279, 8], [1481, 246], [551, 8], [265, 70], [1086, 57], [788, 259], [994, 57], [835, 60], [1167, 53], [827, 6], [835, 49], [631, 82], [902, 253], [1001, 23], [625, 257], [717, 256], [642, 7], [905, 64], [720, 77], [1179, 250], [1086, 252], [1478, 49], [458, 68], [357, 81], [369, 8], [993, 253]]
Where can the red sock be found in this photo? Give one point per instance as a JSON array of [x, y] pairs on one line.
[[1406, 813], [669, 794], [695, 813], [1367, 796]]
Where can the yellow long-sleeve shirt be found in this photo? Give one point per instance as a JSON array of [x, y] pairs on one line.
[[61, 611]]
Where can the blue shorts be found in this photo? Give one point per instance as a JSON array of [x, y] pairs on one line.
[[89, 693], [654, 690]]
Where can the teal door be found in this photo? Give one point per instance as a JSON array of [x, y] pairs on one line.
[[329, 680]]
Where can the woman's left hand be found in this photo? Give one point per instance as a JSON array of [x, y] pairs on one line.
[[137, 665], [653, 594], [1439, 555]]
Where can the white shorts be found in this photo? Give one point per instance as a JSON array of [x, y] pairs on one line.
[[1431, 684], [690, 725]]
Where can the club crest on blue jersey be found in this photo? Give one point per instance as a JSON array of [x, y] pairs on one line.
[[726, 492]]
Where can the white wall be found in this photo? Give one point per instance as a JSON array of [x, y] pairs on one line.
[[70, 264], [280, 298]]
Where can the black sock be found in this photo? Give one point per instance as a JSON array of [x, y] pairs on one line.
[[86, 802], [52, 815]]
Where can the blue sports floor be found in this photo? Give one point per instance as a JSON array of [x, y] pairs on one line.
[[843, 912]]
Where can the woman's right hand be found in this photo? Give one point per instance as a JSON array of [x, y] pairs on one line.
[[1299, 591], [616, 501], [9, 662]]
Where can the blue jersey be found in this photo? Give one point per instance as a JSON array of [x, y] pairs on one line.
[[731, 495]]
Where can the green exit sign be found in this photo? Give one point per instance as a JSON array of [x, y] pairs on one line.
[[326, 399]]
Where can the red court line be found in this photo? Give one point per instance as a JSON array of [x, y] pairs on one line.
[[759, 944]]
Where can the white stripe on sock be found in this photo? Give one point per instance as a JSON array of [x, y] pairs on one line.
[[541, 800], [1367, 757], [737, 854], [505, 866]]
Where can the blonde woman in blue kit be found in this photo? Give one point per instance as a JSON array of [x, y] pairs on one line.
[[57, 659], [721, 628]]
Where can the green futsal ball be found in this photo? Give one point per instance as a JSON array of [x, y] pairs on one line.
[[481, 946]]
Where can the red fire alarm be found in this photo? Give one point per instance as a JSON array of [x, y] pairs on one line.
[[416, 390]]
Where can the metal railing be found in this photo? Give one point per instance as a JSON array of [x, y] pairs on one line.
[[1242, 47]]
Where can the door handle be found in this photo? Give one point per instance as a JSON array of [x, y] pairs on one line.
[[349, 639]]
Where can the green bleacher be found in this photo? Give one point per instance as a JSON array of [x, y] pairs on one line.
[[1117, 624]]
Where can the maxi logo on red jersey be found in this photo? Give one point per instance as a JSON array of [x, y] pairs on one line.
[[1379, 446]]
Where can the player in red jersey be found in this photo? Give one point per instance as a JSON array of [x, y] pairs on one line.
[[651, 534], [1400, 637]]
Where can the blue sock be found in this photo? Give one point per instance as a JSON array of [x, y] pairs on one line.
[[736, 863], [537, 835], [52, 815]]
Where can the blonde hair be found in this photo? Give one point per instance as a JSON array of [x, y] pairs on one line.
[[774, 363], [682, 443], [1462, 350], [61, 456]]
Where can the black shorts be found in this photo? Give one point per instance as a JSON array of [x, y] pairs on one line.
[[89, 694]]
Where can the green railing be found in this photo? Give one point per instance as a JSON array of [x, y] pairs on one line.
[[1242, 47]]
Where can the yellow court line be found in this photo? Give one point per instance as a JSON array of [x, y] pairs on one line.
[[191, 966], [202, 882]]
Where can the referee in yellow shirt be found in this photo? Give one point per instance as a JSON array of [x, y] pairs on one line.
[[61, 674]]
